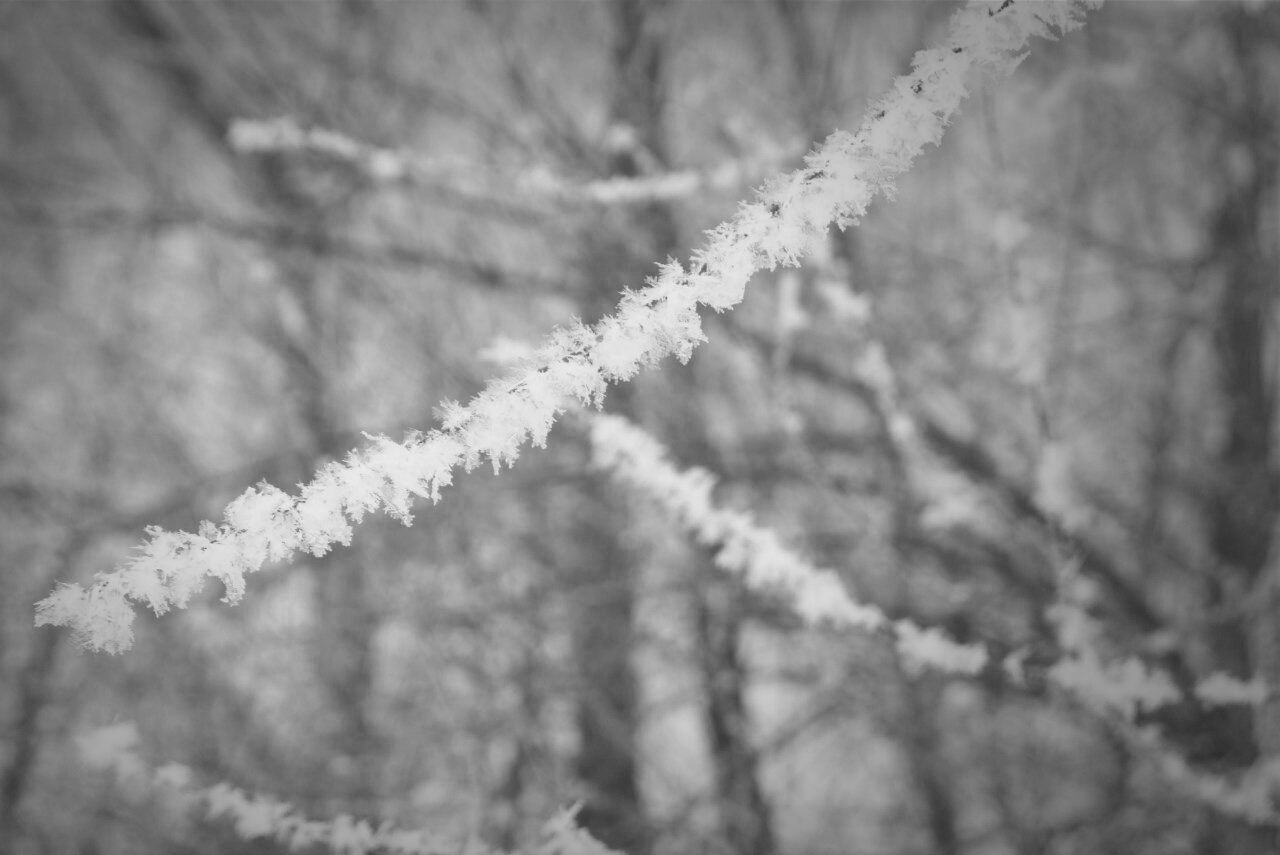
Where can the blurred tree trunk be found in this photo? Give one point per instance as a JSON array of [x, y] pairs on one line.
[[608, 696], [921, 739], [746, 826], [608, 705], [1243, 503], [312, 357], [34, 688], [919, 731], [638, 145], [37, 649], [816, 39]]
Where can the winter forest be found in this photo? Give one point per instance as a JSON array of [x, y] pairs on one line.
[[660, 427]]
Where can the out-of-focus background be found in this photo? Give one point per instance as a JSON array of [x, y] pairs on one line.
[[1073, 301]]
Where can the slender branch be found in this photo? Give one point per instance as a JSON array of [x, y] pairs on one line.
[[403, 167], [1121, 691], [254, 816]]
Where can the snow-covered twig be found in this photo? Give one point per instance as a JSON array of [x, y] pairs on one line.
[[838, 182], [397, 166], [253, 816], [635, 458], [1121, 689]]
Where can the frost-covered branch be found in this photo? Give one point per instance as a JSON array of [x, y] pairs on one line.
[[399, 166], [253, 816], [1126, 686], [793, 213], [635, 458], [1121, 689]]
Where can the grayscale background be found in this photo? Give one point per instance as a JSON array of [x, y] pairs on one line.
[[1073, 299]]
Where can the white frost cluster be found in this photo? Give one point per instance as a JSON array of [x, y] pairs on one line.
[[1223, 690], [839, 180], [114, 749], [1126, 687], [931, 648]]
